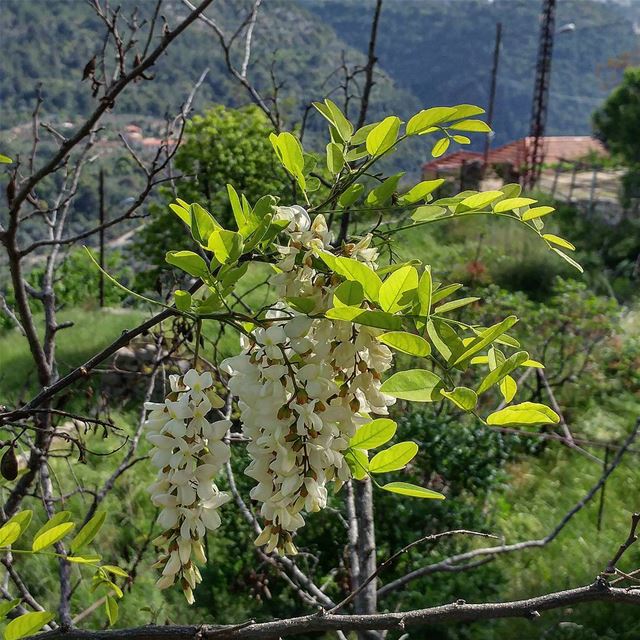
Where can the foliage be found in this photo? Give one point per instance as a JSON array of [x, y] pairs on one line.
[[221, 146], [618, 120]]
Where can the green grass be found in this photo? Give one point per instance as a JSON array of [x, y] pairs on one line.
[[92, 331]]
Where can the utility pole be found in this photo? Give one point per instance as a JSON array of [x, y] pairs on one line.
[[535, 153], [492, 92], [101, 241]]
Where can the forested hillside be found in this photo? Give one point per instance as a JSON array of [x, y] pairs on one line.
[[442, 53], [429, 52]]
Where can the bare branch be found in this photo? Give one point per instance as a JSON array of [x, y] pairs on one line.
[[529, 608]]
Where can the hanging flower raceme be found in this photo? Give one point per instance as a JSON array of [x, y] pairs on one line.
[[188, 451], [304, 386]]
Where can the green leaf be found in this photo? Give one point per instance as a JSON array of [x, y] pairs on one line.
[[537, 212], [183, 213], [59, 518], [335, 158], [374, 434], [182, 300], [429, 212], [509, 204], [5, 159], [420, 191], [51, 536], [480, 200], [226, 245], [117, 571], [440, 147], [360, 136], [343, 126], [189, 262], [236, 207], [413, 490], [111, 607], [407, 343], [561, 242], [348, 294], [485, 338], [289, 151], [357, 271], [427, 118], [382, 193], [394, 458], [383, 136], [455, 304], [203, 224], [27, 625], [301, 304], [84, 559], [444, 339], [358, 462], [569, 259], [526, 413], [350, 195], [6, 607], [88, 532], [22, 519], [471, 125], [417, 385], [425, 289], [467, 110], [464, 398], [398, 290], [9, 533], [511, 363], [378, 319], [508, 388]]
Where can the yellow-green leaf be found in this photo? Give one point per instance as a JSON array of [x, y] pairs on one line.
[[398, 290], [426, 118], [88, 532], [536, 212], [348, 294], [416, 385], [59, 518], [512, 203], [455, 304], [51, 536], [6, 607], [394, 458], [406, 342], [440, 147], [503, 369], [569, 259], [526, 413], [358, 462], [378, 319], [383, 136], [9, 533], [111, 607], [420, 191], [464, 398], [374, 434], [189, 262], [480, 200], [413, 490], [471, 125], [561, 242], [27, 624]]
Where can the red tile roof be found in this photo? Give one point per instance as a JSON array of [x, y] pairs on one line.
[[556, 149]]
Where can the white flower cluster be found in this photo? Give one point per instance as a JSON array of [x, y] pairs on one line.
[[188, 451], [304, 386]]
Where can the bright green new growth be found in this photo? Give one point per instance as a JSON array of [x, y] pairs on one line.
[[55, 530], [402, 299]]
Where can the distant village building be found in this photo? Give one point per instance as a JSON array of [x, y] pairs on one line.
[[510, 158]]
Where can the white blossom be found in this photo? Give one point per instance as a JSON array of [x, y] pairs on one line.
[[188, 450]]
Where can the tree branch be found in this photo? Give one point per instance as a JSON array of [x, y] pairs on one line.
[[529, 608]]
